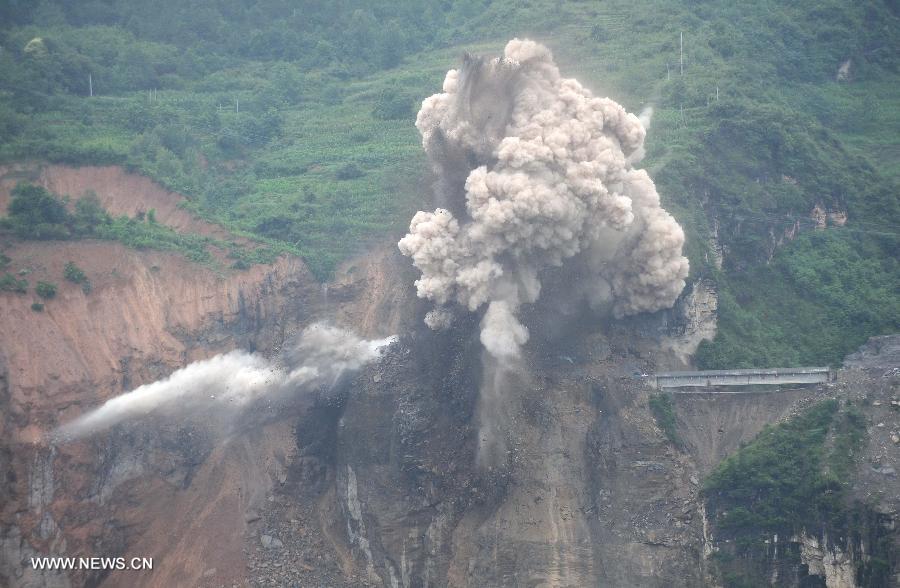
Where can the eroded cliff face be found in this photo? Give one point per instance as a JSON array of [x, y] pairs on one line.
[[376, 484], [856, 543], [181, 493], [148, 314], [593, 494]]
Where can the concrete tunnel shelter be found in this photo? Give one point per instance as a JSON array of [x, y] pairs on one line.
[[751, 377]]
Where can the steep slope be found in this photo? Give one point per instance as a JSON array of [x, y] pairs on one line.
[[148, 314], [593, 494], [172, 493], [812, 500], [374, 483], [120, 193]]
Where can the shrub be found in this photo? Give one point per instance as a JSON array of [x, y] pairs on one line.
[[34, 213], [349, 171], [89, 214], [9, 283], [37, 307], [45, 289], [664, 412], [392, 105], [73, 273]]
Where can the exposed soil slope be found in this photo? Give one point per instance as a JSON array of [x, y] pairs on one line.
[[120, 192]]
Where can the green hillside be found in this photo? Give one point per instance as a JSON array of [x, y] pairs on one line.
[[293, 122]]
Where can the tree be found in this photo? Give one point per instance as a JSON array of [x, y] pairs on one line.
[[392, 105], [73, 273], [89, 214], [34, 213], [45, 289]]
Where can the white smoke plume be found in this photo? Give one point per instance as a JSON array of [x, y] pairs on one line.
[[233, 381], [533, 170], [646, 116]]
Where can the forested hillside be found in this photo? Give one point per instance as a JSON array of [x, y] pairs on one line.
[[774, 138]]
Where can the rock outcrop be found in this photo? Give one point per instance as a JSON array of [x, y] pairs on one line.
[[377, 484]]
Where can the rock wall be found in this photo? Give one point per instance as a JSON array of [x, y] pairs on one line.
[[593, 493], [148, 314], [183, 495], [377, 483]]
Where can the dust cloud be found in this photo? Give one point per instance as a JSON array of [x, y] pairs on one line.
[[535, 172], [229, 383]]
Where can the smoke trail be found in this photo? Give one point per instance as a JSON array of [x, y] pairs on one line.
[[233, 381], [533, 170]]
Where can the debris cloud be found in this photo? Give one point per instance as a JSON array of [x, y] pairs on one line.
[[228, 384], [535, 172]]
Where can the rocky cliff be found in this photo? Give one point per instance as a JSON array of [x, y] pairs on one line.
[[179, 494], [377, 484], [147, 315]]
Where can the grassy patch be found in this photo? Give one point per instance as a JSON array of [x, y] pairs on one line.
[[663, 410]]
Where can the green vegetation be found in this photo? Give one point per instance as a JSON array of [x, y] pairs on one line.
[[293, 123], [663, 410], [794, 476], [74, 274], [45, 289], [9, 283], [37, 307], [849, 437], [34, 213], [776, 483], [827, 293]]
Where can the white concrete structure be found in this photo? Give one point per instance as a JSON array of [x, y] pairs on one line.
[[753, 377]]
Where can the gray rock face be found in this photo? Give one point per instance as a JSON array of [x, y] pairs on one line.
[[878, 352], [592, 494], [830, 563], [270, 542]]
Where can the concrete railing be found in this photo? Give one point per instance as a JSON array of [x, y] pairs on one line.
[[753, 377]]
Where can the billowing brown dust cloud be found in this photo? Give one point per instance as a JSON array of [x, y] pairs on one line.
[[533, 171]]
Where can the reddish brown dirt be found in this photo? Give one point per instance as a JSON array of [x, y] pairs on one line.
[[148, 314], [141, 301], [120, 192]]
